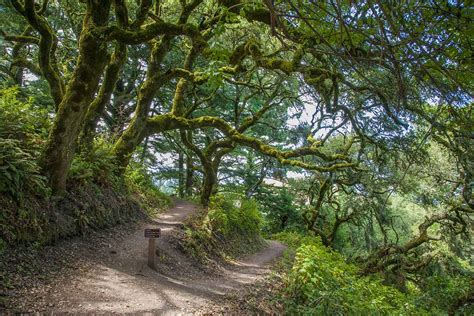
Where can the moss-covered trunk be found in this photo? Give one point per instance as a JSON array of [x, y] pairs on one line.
[[61, 144], [189, 175], [181, 175], [208, 185], [97, 107], [135, 132]]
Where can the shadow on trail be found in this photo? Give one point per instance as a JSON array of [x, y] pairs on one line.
[[120, 281]]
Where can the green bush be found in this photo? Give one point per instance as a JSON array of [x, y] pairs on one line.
[[19, 172], [441, 291], [230, 227], [140, 184], [95, 165], [22, 120], [22, 128], [240, 216], [294, 239], [322, 283]]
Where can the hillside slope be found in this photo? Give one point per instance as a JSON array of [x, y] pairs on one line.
[[108, 273]]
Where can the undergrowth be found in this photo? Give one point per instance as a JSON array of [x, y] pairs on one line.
[[140, 185], [96, 195], [23, 127], [228, 228], [321, 282]]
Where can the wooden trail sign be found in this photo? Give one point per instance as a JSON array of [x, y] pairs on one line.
[[152, 234]]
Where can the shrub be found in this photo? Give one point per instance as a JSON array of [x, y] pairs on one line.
[[96, 165], [441, 291], [19, 172], [22, 120], [21, 130], [230, 227], [139, 182], [294, 239], [239, 216], [322, 283]]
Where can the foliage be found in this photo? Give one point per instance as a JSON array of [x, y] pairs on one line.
[[228, 216], [442, 291], [231, 226], [94, 165], [22, 120], [322, 283], [372, 100], [19, 173], [140, 184], [280, 208], [294, 239], [22, 126]]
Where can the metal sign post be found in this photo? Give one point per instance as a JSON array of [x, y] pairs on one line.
[[152, 234]]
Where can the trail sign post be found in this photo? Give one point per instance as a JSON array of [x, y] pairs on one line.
[[152, 234]]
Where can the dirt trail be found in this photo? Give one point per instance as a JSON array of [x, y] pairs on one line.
[[119, 280]]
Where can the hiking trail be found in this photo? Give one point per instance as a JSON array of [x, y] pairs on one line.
[[113, 277]]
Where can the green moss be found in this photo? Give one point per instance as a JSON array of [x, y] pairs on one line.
[[285, 66]]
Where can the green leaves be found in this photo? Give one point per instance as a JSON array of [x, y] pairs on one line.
[[228, 215], [322, 283], [22, 126], [19, 173], [21, 119]]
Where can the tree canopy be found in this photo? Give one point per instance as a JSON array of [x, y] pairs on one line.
[[362, 109]]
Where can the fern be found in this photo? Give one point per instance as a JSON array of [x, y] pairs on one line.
[[19, 172]]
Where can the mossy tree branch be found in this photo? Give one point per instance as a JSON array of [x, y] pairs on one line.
[[61, 144], [47, 46], [156, 77], [25, 39], [213, 153], [167, 122], [142, 13], [25, 63], [111, 76], [18, 56], [148, 32], [395, 255]]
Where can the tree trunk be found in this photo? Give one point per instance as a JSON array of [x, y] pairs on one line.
[[97, 107], [208, 186], [180, 175], [135, 132], [61, 144], [189, 175]]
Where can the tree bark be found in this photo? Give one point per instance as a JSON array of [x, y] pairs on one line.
[[208, 185], [180, 175], [61, 144], [189, 175], [135, 132], [97, 107]]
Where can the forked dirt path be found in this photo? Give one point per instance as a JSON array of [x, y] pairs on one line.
[[119, 281]]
